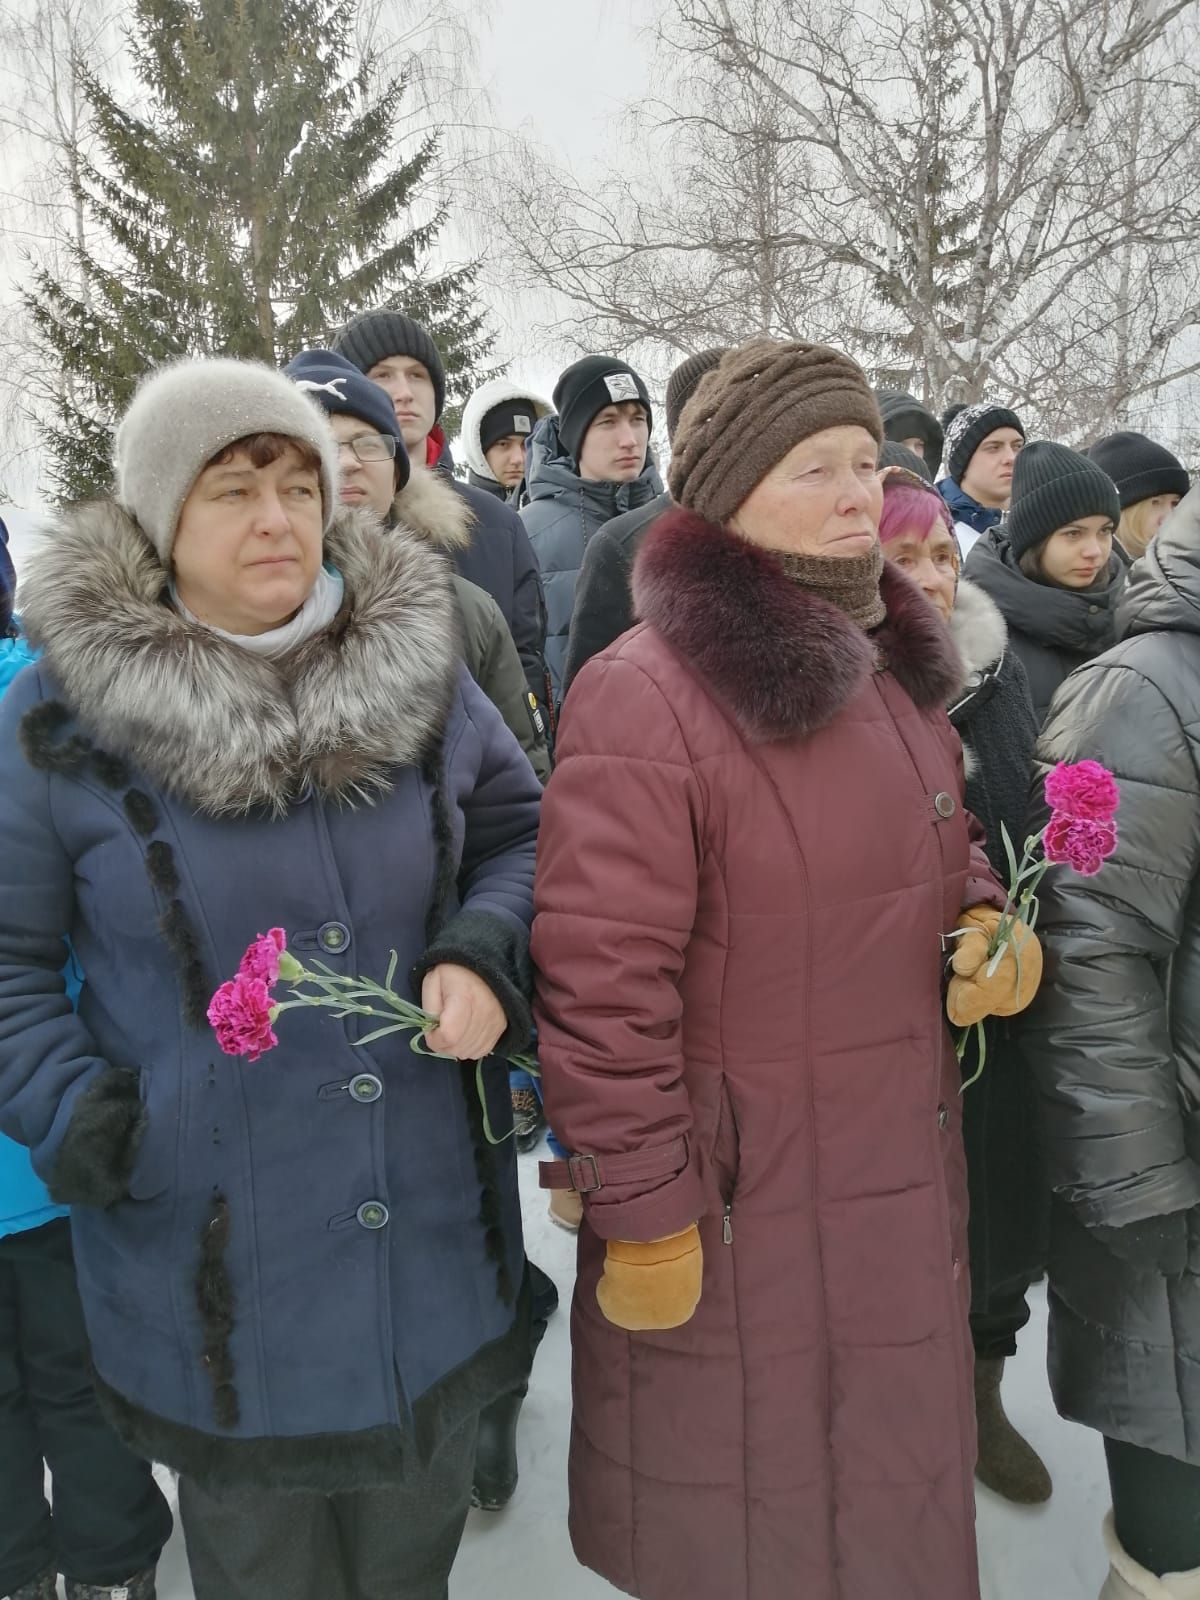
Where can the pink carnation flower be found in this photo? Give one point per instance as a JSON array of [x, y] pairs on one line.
[[262, 957], [1078, 843], [240, 1014], [1085, 792]]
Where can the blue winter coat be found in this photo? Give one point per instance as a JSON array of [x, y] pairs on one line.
[[306, 1268], [563, 513], [24, 1200]]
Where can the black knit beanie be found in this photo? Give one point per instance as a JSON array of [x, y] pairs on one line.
[[1053, 486], [904, 417], [894, 454], [373, 336], [681, 385], [586, 388], [1140, 468], [970, 428], [951, 412]]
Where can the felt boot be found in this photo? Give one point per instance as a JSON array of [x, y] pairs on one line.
[[1128, 1580], [1008, 1464]]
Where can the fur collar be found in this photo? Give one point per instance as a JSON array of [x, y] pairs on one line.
[[978, 629], [782, 661], [431, 508], [224, 730]]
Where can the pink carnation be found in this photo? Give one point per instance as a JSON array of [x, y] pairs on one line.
[[1078, 843], [1086, 792], [240, 1014], [262, 957]]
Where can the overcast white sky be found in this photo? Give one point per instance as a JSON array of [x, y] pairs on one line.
[[559, 73]]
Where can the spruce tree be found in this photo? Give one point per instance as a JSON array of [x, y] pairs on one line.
[[250, 208]]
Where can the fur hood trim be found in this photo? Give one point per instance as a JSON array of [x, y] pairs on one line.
[[978, 629], [494, 393], [435, 512], [225, 730], [782, 660]]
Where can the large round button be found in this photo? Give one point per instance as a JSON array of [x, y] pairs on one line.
[[365, 1086], [945, 805], [372, 1214], [333, 936]]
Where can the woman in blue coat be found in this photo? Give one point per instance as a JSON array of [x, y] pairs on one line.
[[302, 1277]]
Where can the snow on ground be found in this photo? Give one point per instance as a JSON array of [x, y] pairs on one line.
[[524, 1553]]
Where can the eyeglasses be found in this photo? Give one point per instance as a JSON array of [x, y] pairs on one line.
[[370, 447]]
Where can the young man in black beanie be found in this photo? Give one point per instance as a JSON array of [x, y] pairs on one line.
[[400, 355], [587, 465], [603, 602], [982, 445]]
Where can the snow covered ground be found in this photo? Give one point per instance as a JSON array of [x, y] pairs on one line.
[[524, 1554]]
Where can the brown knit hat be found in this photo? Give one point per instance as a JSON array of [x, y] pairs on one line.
[[746, 415]]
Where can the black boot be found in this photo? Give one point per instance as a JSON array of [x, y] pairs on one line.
[[496, 1452]]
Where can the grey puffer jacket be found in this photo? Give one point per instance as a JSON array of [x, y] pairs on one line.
[[563, 513], [1114, 1037]]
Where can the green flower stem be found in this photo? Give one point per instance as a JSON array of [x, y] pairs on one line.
[[350, 996]]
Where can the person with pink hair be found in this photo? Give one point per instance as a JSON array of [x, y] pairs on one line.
[[994, 715]]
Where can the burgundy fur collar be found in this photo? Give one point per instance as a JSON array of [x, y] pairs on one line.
[[783, 661]]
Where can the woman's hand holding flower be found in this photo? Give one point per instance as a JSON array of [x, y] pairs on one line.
[[980, 988], [471, 1021]]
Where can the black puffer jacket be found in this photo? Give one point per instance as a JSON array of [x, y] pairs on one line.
[[1053, 630], [603, 599], [994, 718], [1114, 1036]]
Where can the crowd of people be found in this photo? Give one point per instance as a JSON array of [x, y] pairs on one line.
[[684, 811]]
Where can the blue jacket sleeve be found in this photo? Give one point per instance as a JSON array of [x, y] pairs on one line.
[[56, 1092], [499, 800]]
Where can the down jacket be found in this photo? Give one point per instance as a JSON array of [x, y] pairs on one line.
[[563, 513], [604, 596], [751, 849], [1115, 1034], [305, 1270]]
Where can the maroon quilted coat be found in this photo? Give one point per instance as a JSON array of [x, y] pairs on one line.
[[750, 850]]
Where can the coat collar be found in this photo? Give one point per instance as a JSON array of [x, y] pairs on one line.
[[226, 731], [783, 661]]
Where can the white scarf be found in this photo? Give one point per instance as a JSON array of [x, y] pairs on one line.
[[318, 611]]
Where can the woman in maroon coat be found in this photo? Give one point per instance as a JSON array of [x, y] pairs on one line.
[[751, 853]]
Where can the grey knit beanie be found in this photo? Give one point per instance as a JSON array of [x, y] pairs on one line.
[[186, 413], [373, 336], [1052, 486]]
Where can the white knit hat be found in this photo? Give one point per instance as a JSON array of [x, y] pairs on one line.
[[186, 413]]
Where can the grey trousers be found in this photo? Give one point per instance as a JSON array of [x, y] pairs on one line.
[[369, 1544]]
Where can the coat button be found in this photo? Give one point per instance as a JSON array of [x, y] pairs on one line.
[[1094, 610], [945, 805], [943, 1116], [365, 1086], [333, 936], [372, 1214], [958, 1269]]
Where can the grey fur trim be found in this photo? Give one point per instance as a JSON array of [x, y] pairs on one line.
[[331, 1463], [499, 954], [225, 730], [436, 513], [96, 1157]]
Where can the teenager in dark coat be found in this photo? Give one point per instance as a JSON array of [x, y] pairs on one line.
[[1115, 1043], [1051, 567], [400, 355], [994, 717], [302, 1275], [603, 608]]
